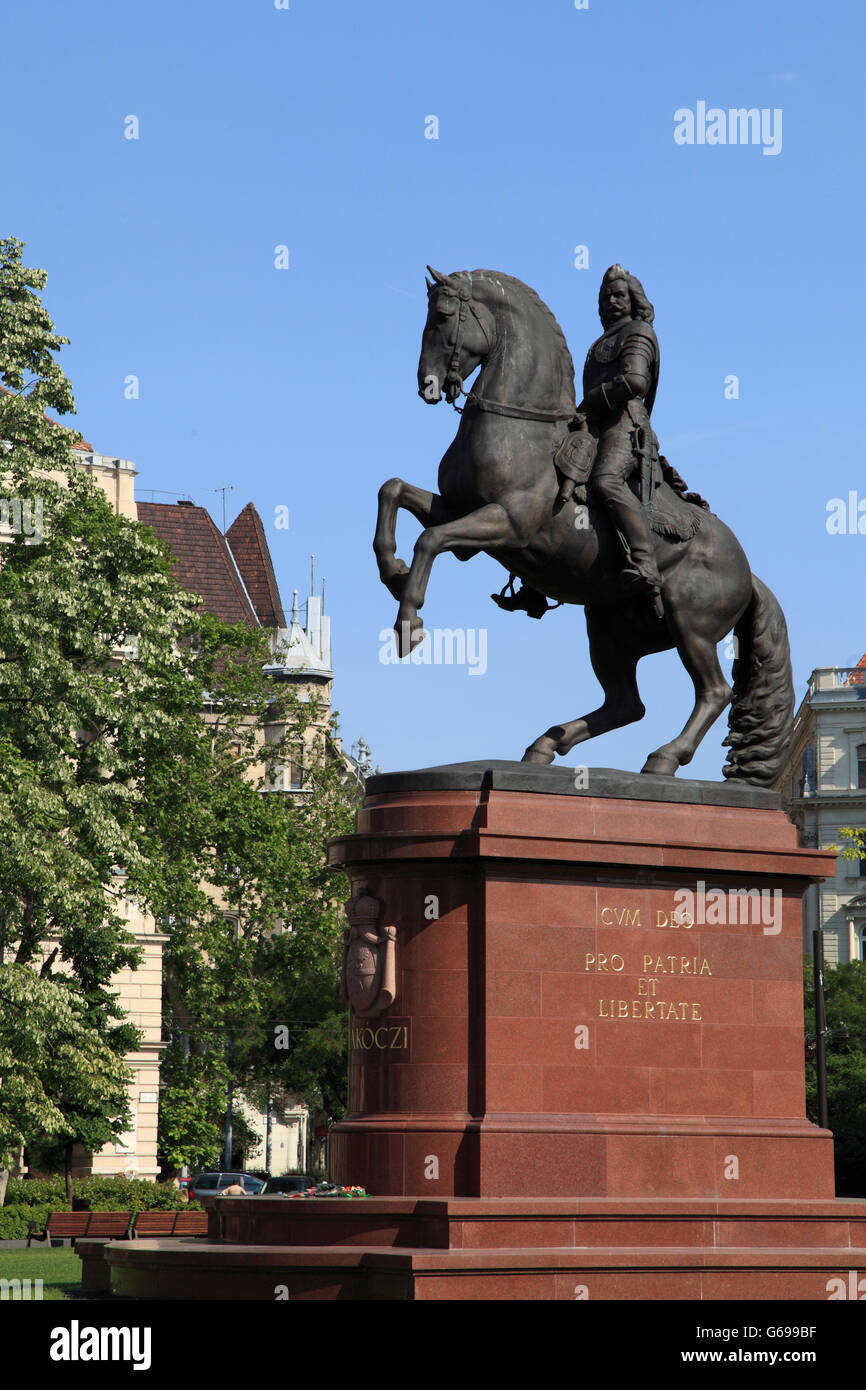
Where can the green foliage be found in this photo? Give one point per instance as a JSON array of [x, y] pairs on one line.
[[856, 846], [14, 1220], [34, 1192], [845, 1007], [233, 994], [32, 1199], [229, 984], [113, 786], [55, 1064], [130, 1194]]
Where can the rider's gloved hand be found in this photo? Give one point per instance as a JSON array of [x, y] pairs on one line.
[[566, 492]]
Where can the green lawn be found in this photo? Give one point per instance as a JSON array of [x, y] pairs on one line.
[[59, 1270]]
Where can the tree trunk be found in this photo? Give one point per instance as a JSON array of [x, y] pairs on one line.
[[67, 1173], [4, 1182]]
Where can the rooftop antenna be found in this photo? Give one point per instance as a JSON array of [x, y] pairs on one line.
[[154, 491], [229, 487], [323, 594]]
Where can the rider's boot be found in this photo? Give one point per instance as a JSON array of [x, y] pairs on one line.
[[640, 572]]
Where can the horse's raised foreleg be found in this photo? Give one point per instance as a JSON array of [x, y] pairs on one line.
[[429, 509], [488, 528], [614, 661], [712, 694]]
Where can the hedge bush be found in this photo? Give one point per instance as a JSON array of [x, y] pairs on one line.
[[13, 1220], [32, 1200], [129, 1194], [34, 1192]]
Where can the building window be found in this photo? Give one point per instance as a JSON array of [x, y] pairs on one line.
[[861, 868], [807, 771], [861, 765]]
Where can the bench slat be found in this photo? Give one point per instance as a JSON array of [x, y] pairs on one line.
[[67, 1223], [109, 1223], [155, 1223], [170, 1223], [191, 1223], [74, 1224]]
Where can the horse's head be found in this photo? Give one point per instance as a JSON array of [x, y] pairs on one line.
[[457, 336]]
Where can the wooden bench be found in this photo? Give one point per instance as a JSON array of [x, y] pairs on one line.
[[95, 1270], [170, 1223], [114, 1225]]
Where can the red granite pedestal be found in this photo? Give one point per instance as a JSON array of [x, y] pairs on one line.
[[588, 1069]]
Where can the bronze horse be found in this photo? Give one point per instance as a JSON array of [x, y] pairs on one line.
[[497, 493]]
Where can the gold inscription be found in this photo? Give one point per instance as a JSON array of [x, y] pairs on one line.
[[662, 1010], [602, 963], [647, 1006], [381, 1039], [621, 916], [675, 965], [674, 920]]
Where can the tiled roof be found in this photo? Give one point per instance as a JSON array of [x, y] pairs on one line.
[[201, 559], [83, 446], [246, 537]]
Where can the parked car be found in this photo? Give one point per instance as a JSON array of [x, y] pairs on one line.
[[291, 1182], [211, 1184]]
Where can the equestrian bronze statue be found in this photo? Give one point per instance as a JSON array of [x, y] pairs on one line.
[[578, 503]]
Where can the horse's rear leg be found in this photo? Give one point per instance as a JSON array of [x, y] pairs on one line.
[[429, 509], [712, 694], [614, 661]]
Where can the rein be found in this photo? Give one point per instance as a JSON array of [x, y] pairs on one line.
[[515, 412]]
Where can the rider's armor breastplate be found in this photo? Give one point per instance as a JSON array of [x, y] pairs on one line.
[[612, 353]]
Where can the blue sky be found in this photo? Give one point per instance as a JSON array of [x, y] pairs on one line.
[[305, 127]]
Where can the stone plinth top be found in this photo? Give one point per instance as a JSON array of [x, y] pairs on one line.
[[501, 775]]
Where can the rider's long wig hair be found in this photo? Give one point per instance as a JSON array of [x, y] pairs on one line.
[[640, 305]]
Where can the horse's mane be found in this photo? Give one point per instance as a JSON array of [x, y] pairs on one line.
[[535, 299]]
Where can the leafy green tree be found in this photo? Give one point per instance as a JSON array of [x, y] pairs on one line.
[[845, 1005], [251, 991], [131, 766], [52, 1062]]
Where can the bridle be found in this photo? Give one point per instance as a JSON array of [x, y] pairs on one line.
[[452, 375], [466, 306]]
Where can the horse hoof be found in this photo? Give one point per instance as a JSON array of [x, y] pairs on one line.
[[661, 763], [534, 754]]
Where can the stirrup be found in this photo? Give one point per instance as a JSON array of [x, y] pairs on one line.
[[526, 599]]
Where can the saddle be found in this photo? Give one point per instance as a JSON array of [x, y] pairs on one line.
[[673, 518], [671, 514], [667, 517]]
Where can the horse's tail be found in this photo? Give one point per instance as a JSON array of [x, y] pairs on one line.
[[762, 712]]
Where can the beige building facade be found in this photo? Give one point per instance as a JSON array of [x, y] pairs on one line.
[[823, 790]]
